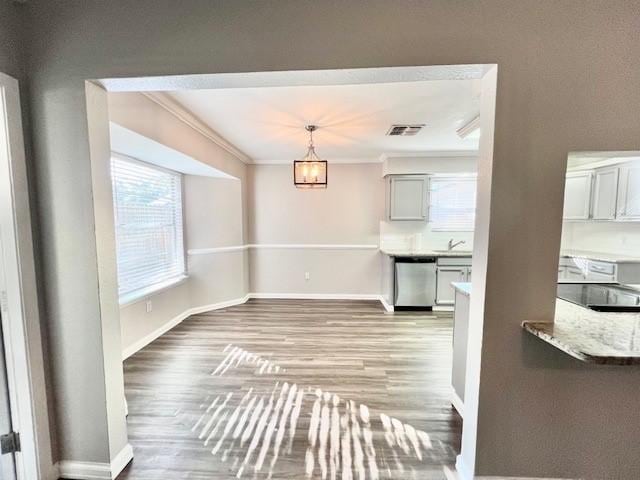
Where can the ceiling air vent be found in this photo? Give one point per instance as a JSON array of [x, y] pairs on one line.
[[404, 130]]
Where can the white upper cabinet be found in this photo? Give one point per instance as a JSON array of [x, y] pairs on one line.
[[629, 192], [408, 197], [577, 195], [605, 193]]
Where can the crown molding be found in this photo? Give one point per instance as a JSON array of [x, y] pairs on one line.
[[471, 126], [430, 154], [177, 110]]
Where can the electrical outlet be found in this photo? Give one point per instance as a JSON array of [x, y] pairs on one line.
[[149, 306], [307, 276]]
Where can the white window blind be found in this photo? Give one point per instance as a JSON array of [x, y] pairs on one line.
[[148, 220], [452, 203]]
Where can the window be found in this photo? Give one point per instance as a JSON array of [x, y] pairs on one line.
[[147, 204], [452, 203]]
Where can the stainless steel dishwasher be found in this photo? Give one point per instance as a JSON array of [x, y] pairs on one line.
[[415, 282]]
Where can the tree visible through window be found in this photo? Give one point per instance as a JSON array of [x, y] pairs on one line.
[[148, 222], [452, 203]]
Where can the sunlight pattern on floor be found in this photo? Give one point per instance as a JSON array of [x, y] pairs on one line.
[[240, 356], [343, 440]]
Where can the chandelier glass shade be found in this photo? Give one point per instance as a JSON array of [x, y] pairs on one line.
[[310, 171]]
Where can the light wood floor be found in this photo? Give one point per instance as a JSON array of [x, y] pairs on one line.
[[293, 390]]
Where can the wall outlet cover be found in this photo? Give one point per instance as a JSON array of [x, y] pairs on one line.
[[149, 306], [307, 276]]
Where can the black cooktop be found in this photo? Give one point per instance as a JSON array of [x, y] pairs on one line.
[[603, 297]]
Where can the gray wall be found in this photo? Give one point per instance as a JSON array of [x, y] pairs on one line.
[[214, 218], [347, 212], [11, 55], [567, 80], [215, 212], [12, 62]]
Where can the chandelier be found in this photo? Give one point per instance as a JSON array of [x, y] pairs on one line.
[[310, 172]]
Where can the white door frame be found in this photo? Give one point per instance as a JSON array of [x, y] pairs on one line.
[[18, 297]]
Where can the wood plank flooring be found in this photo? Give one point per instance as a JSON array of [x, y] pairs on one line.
[[294, 389]]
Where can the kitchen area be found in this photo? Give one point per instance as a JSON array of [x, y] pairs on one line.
[[428, 239], [427, 236]]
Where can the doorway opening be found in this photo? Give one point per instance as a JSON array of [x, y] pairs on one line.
[[262, 271]]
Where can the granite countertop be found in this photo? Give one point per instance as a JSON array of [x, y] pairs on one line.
[[425, 253], [462, 287], [604, 257], [604, 338]]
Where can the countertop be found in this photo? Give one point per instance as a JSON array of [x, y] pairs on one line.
[[426, 253], [604, 257], [603, 338], [589, 255], [462, 287], [595, 337]]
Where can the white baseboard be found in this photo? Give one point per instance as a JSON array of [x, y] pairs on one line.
[[147, 339], [457, 403], [217, 306], [387, 306], [443, 308], [121, 460], [71, 470], [317, 296]]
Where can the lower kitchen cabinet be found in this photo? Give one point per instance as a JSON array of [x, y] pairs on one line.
[[445, 293]]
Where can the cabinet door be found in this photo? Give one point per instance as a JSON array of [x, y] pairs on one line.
[[575, 274], [445, 294], [577, 196], [408, 197], [605, 193], [629, 192], [600, 277]]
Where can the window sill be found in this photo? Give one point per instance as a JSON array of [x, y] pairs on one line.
[[144, 293]]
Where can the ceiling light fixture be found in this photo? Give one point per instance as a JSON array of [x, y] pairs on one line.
[[471, 129], [310, 172]]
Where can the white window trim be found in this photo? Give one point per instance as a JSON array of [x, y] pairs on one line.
[[156, 288], [462, 176]]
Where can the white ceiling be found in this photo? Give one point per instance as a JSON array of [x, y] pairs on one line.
[[267, 123]]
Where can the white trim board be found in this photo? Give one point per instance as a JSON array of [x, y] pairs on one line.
[[282, 246], [387, 306], [457, 403], [318, 296], [147, 339], [71, 470]]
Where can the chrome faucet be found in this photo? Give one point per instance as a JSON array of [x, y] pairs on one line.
[[451, 245]]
